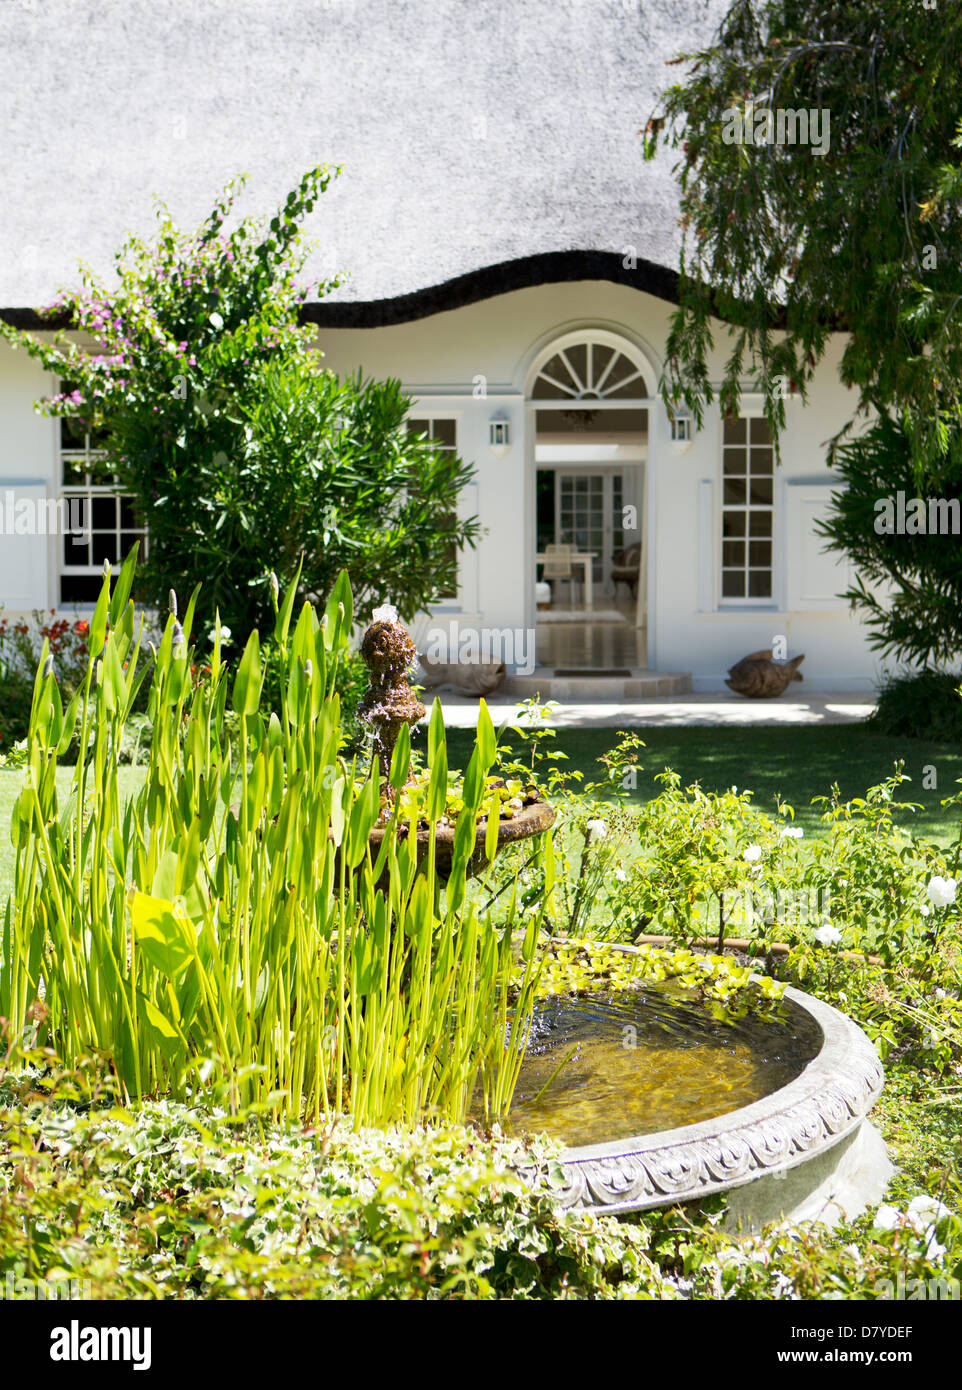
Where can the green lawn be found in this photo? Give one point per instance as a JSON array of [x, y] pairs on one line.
[[129, 779], [795, 763]]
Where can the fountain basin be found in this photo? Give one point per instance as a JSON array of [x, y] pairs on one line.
[[531, 820], [804, 1151]]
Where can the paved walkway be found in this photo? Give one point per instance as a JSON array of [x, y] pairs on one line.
[[461, 712]]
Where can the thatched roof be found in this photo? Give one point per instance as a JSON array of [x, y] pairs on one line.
[[473, 133]]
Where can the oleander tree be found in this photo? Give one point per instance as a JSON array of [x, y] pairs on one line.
[[788, 242], [244, 453]]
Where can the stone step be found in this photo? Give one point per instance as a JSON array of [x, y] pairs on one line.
[[637, 685]]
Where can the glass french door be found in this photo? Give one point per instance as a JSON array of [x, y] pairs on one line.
[[588, 515]]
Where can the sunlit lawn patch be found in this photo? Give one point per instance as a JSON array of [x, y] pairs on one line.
[[794, 763]]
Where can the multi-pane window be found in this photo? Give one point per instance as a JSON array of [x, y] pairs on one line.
[[443, 434], [747, 509], [591, 516], [109, 523], [588, 371]]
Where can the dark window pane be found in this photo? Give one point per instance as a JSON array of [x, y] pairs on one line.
[[735, 461], [734, 491], [623, 381], [733, 524], [418, 426], [75, 551], [600, 358], [761, 492], [72, 433], [762, 460], [80, 588], [733, 553], [733, 584], [445, 432], [760, 524], [74, 471], [760, 553], [549, 390], [634, 385], [736, 431], [759, 584], [578, 357], [104, 513], [103, 546], [100, 472], [761, 434]]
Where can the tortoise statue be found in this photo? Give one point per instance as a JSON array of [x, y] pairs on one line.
[[467, 678], [761, 678]]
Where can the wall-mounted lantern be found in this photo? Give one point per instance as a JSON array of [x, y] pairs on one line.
[[499, 435], [682, 427]]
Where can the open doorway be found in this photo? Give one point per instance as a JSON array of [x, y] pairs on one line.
[[590, 489]]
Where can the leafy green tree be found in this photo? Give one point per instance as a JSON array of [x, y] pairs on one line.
[[908, 583], [788, 242], [243, 451], [854, 232]]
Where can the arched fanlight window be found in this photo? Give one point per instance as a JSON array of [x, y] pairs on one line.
[[589, 371]]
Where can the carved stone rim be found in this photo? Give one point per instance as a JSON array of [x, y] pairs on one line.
[[827, 1101]]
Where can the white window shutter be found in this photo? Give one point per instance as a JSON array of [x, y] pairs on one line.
[[817, 576]]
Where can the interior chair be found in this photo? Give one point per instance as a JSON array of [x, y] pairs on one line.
[[558, 566], [625, 567]]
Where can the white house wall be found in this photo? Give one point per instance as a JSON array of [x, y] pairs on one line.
[[448, 362], [441, 358], [27, 463]]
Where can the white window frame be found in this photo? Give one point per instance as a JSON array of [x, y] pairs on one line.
[[450, 603], [87, 491], [770, 600]]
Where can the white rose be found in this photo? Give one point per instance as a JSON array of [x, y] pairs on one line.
[[752, 853], [887, 1218], [827, 935], [784, 1288], [597, 828], [792, 832], [620, 875], [941, 891], [923, 1215], [926, 1211]]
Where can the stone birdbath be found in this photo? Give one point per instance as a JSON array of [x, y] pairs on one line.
[[387, 705]]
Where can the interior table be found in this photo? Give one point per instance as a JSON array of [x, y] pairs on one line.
[[583, 558]]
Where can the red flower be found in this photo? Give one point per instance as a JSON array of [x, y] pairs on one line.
[[82, 626]]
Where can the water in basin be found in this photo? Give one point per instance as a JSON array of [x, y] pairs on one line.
[[641, 1060]]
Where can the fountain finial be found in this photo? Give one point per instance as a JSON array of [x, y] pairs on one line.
[[389, 702]]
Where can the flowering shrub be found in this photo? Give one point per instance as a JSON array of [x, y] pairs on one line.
[[243, 452], [20, 646], [176, 1202]]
